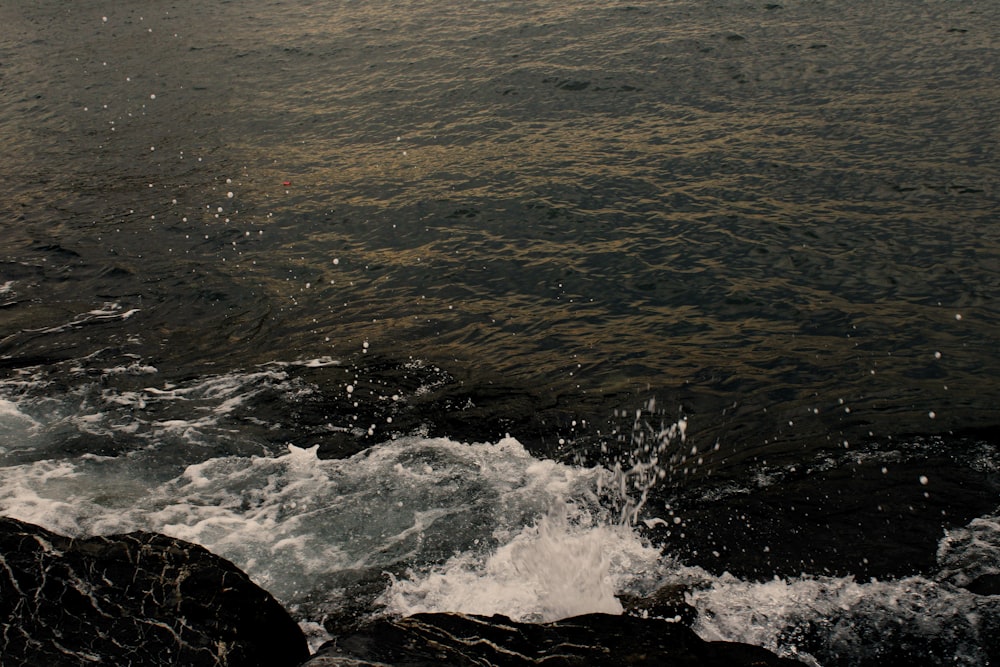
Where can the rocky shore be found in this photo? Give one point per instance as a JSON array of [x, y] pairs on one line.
[[145, 599]]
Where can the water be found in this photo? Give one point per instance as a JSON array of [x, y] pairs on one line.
[[395, 304]]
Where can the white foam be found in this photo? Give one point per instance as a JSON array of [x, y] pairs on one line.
[[109, 312], [818, 619], [40, 493], [210, 411], [478, 528], [13, 420], [318, 362], [553, 569], [298, 525], [134, 368], [970, 552]]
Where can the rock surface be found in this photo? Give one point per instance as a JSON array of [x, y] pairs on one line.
[[136, 599], [668, 603], [594, 640], [146, 599]]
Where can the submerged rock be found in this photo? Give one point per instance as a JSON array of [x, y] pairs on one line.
[[592, 640], [667, 602], [136, 599]]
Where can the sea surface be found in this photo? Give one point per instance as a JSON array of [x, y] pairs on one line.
[[510, 307]]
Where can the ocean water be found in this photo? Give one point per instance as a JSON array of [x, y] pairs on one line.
[[396, 305]]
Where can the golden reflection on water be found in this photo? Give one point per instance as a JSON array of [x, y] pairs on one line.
[[610, 197]]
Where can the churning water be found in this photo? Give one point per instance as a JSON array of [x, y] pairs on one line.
[[401, 305]]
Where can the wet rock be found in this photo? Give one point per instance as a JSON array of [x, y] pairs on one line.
[[135, 599], [594, 640]]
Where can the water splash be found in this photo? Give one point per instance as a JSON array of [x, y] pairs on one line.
[[654, 454], [572, 559], [563, 565], [832, 621]]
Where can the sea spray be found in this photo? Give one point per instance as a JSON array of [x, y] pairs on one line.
[[430, 524], [572, 559], [651, 454], [558, 567], [839, 621], [430, 511]]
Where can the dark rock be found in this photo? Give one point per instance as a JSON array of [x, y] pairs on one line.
[[594, 640], [136, 599]]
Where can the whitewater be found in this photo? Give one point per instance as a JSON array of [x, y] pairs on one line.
[[519, 308]]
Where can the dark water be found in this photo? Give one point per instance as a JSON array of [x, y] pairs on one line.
[[233, 226]]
